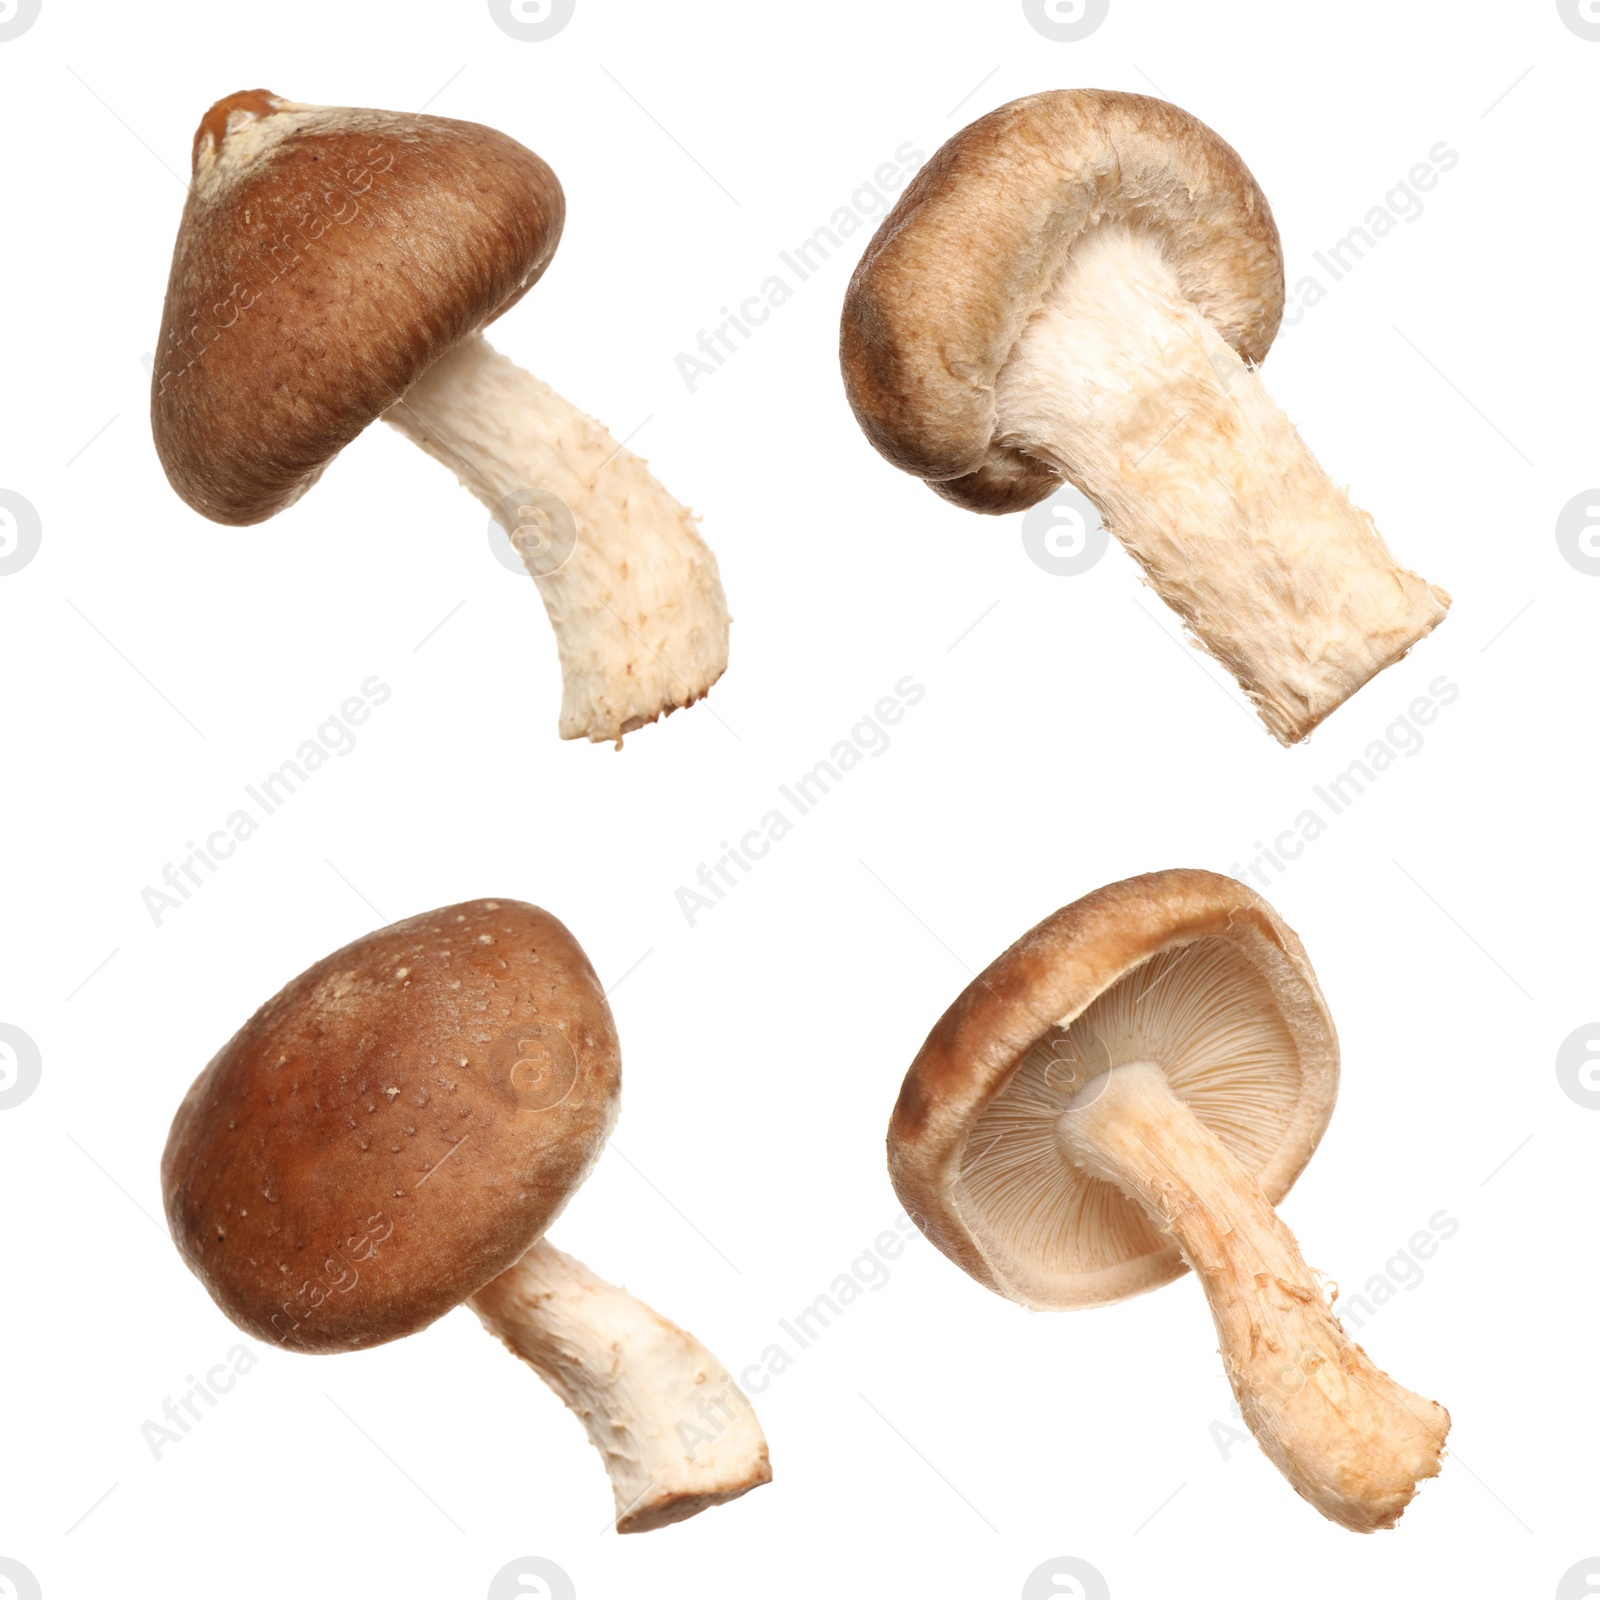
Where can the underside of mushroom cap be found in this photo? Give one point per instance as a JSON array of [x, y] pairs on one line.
[[971, 248], [395, 1128], [1186, 969], [326, 258]]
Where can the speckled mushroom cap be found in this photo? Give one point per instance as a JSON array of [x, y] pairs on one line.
[[1187, 969], [326, 259], [968, 252], [395, 1128]]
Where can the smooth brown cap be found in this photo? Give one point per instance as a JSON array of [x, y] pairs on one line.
[[1185, 967], [395, 1128], [966, 256], [325, 260]]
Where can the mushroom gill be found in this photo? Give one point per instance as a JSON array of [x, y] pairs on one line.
[[1205, 1014]]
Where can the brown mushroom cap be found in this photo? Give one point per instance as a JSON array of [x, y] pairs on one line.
[[967, 254], [395, 1128], [1187, 969], [326, 259]]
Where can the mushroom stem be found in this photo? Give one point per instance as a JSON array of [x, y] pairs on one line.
[[1347, 1436], [1124, 387], [676, 1432], [630, 587]]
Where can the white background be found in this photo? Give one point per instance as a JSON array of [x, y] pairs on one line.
[[936, 1439]]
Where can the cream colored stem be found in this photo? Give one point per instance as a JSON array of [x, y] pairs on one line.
[[1347, 1436], [1123, 386], [636, 603], [676, 1432]]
